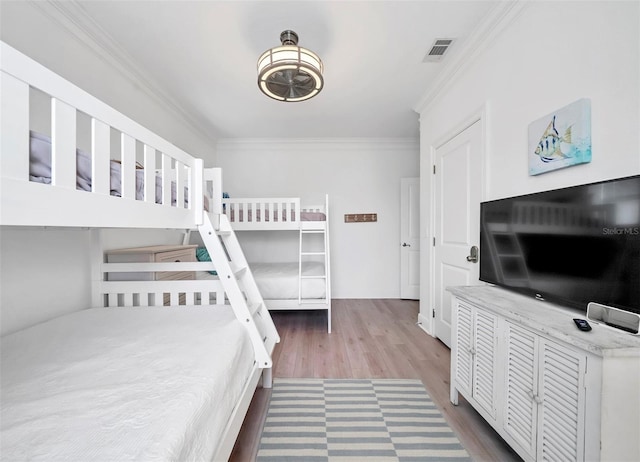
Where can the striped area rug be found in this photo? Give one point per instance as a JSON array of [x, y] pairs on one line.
[[334, 420]]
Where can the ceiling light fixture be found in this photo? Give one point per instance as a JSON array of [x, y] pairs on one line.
[[289, 72]]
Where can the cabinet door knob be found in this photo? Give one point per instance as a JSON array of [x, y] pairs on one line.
[[534, 398]]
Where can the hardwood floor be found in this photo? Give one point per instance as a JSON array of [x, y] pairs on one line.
[[369, 339]]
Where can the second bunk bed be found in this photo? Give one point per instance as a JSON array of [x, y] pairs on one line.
[[302, 284]]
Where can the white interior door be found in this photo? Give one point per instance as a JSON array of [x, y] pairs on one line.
[[458, 191], [410, 238]]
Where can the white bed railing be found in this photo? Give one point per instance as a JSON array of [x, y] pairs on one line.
[[25, 202], [158, 293], [262, 213], [272, 213]]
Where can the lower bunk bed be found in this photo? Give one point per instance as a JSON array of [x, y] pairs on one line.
[[126, 383]]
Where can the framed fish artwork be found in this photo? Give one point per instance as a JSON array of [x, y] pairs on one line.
[[561, 139]]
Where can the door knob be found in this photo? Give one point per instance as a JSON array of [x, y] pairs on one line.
[[404, 244], [473, 254]]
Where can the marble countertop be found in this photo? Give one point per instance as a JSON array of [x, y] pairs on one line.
[[551, 320]]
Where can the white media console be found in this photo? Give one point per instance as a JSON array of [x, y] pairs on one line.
[[551, 391]]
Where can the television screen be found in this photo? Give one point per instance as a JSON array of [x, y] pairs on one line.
[[572, 246]]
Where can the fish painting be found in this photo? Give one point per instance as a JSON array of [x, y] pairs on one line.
[[552, 146], [566, 140]]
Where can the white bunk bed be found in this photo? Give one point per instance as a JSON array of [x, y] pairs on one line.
[[126, 378], [301, 285]]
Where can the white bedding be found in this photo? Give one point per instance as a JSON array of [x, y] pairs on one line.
[[279, 281], [113, 384]]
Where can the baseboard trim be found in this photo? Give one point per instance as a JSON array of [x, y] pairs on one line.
[[424, 323]]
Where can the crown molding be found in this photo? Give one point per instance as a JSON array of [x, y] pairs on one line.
[[73, 17], [480, 38], [320, 144]]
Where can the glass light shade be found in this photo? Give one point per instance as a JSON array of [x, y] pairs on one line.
[[290, 73]]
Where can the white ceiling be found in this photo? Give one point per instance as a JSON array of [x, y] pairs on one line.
[[201, 56]]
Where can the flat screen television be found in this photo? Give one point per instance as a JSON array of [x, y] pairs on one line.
[[571, 246]]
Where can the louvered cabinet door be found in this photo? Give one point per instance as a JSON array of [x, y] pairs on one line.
[[561, 419], [520, 406], [484, 365], [463, 373]]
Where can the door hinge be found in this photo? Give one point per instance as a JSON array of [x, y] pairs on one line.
[[434, 169], [433, 313]]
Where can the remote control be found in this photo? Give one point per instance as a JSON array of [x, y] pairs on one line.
[[582, 324]]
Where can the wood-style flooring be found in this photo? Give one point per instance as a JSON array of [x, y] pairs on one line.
[[369, 339]]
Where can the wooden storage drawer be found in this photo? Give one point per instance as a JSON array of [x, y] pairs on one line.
[[188, 254]]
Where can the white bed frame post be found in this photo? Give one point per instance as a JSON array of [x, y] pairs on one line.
[[97, 276], [327, 259]]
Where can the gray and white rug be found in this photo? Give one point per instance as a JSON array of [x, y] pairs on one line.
[[332, 420]]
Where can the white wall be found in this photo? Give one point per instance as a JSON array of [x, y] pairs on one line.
[[45, 273], [550, 55], [35, 29], [360, 176]]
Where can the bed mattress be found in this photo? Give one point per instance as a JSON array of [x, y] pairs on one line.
[[279, 281], [123, 384]]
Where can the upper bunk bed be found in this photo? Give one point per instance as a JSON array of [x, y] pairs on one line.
[[195, 368], [29, 201]]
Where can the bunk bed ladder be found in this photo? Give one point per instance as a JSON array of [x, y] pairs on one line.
[[240, 287], [304, 255]]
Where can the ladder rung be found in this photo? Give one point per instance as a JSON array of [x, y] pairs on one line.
[[270, 344], [313, 277], [238, 272], [254, 307], [312, 231], [312, 253]]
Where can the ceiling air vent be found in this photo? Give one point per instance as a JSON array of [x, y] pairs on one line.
[[438, 49]]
